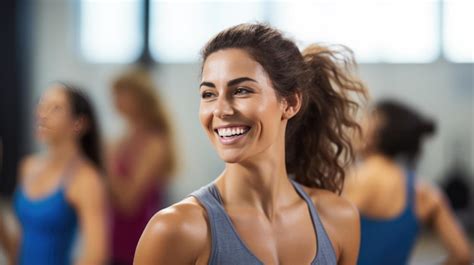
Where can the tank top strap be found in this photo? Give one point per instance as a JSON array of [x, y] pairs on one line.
[[325, 249], [206, 195]]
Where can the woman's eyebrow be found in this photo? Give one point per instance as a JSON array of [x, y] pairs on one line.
[[232, 82], [209, 84], [236, 81]]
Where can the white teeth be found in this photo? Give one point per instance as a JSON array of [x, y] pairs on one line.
[[226, 132]]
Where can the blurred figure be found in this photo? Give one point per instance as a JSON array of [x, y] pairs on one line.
[[62, 188], [6, 245], [139, 164], [392, 203]]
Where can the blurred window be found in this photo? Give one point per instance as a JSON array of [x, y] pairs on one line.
[[111, 30], [393, 31], [179, 29], [458, 36], [378, 31]]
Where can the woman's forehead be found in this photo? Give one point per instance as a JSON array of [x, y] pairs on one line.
[[232, 63], [55, 93]]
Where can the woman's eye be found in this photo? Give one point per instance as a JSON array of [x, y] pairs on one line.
[[206, 95], [242, 91]]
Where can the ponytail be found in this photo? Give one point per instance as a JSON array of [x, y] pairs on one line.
[[402, 131], [318, 142]]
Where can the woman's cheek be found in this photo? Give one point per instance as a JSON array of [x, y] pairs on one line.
[[205, 117]]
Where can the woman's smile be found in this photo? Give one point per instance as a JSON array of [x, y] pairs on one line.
[[231, 134]]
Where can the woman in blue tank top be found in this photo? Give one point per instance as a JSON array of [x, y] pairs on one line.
[[393, 205], [61, 190], [279, 119]]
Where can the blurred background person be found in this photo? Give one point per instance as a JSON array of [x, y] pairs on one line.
[[5, 243], [61, 189], [394, 204], [140, 164]]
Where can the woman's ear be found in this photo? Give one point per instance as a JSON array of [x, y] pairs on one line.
[[80, 125], [291, 105]]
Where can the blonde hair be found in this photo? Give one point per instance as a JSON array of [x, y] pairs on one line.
[[139, 83]]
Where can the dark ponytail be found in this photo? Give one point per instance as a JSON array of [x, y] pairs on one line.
[[318, 146], [318, 143], [90, 142], [401, 131]]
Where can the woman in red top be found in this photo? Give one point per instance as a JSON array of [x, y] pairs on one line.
[[139, 164]]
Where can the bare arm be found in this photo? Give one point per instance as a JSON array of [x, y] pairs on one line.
[[349, 234], [88, 195], [128, 192], [445, 225], [342, 223], [176, 235], [7, 241]]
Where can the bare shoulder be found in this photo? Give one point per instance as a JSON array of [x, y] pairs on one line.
[[87, 176], [333, 206], [86, 179], [27, 164], [428, 191], [183, 218], [340, 219], [177, 234], [428, 199], [360, 184]]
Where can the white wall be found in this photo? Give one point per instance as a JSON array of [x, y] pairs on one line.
[[442, 89]]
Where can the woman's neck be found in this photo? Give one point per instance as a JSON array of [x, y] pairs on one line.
[[261, 182], [137, 124], [63, 151], [382, 162]]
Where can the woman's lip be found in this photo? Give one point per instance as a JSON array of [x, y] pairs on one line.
[[231, 126], [233, 139]]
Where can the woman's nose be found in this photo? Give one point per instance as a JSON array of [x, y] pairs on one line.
[[223, 108]]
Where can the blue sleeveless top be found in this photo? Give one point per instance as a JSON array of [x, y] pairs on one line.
[[390, 241], [228, 248], [48, 227]]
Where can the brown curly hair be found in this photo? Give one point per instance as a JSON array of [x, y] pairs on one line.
[[318, 138]]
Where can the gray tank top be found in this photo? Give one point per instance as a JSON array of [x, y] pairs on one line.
[[229, 249]]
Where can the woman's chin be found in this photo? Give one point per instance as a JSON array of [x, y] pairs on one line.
[[45, 139], [40, 137], [231, 157]]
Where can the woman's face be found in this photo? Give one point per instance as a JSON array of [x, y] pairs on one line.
[[239, 108], [125, 102], [54, 120]]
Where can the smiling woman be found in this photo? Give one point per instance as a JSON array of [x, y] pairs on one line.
[[281, 120]]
